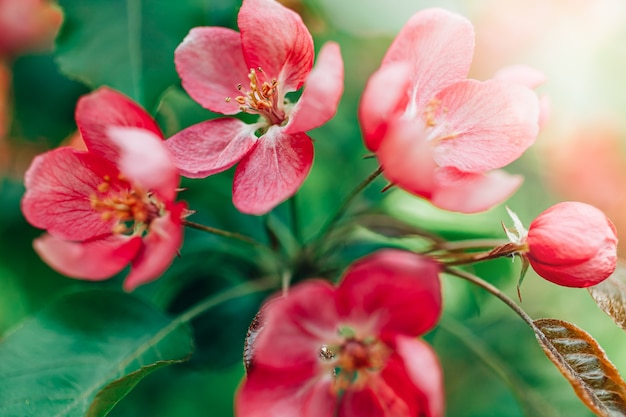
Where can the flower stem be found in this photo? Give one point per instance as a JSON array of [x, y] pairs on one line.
[[463, 245], [232, 293], [493, 290], [295, 219], [347, 201], [224, 233]]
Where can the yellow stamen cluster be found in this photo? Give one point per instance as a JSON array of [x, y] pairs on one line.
[[431, 111], [124, 205], [262, 98]]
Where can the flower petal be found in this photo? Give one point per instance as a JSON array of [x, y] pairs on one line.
[[59, 184], [159, 249], [210, 64], [391, 292], [275, 39], [479, 126], [321, 95], [522, 75], [384, 98], [103, 108], [472, 193], [145, 160], [210, 147], [407, 158], [272, 172], [423, 367], [438, 45], [94, 260], [297, 325]]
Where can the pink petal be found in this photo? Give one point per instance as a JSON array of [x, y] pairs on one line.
[[297, 326], [438, 45], [423, 368], [59, 185], [407, 158], [391, 292], [272, 172], [103, 108], [379, 398], [384, 99], [472, 193], [321, 95], [145, 160], [94, 260], [268, 392], [210, 147], [210, 63], [159, 249], [275, 39], [522, 75], [479, 126]]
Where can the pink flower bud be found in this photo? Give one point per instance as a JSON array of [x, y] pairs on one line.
[[572, 244]]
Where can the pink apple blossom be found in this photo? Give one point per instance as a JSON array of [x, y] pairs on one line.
[[112, 204], [229, 72], [572, 244], [350, 350], [438, 134]]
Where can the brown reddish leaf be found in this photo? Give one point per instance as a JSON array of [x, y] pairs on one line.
[[582, 361], [610, 295]]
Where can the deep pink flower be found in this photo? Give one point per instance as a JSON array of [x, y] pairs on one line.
[[572, 244], [438, 134], [350, 350], [27, 25], [252, 71], [110, 205]]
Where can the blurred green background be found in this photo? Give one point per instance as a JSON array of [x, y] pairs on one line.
[[492, 363]]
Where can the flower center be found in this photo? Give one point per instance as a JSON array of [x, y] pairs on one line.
[[131, 210], [262, 98], [354, 360]]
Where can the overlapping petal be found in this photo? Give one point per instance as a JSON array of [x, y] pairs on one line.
[[438, 46], [272, 171], [59, 185], [276, 40], [210, 147], [92, 260], [323, 90], [210, 63], [105, 108]]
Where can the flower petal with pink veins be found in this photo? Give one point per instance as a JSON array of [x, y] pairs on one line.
[[103, 108], [160, 247], [59, 185], [210, 64], [407, 157], [322, 92], [383, 100], [479, 126], [93, 260], [391, 292], [293, 392], [297, 325], [472, 193], [423, 368], [272, 171], [210, 147], [438, 45], [275, 39], [145, 160]]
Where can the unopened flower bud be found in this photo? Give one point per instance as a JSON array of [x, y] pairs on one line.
[[572, 244]]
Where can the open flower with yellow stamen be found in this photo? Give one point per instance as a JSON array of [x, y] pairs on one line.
[[349, 350], [111, 205], [252, 71]]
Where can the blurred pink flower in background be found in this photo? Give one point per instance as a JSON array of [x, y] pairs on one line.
[[438, 134], [110, 205], [350, 350], [27, 25], [229, 72]]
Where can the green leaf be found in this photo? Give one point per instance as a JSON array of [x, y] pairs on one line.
[[126, 44], [83, 353]]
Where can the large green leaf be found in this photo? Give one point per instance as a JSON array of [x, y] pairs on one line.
[[126, 44], [84, 353]]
